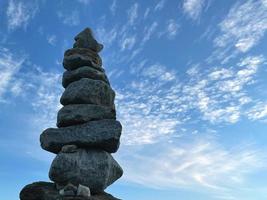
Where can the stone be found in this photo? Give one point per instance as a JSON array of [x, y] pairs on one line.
[[85, 39], [59, 187], [88, 91], [71, 187], [68, 190], [93, 168], [39, 191], [79, 57], [81, 113], [47, 191], [71, 148], [68, 193], [104, 134], [83, 191], [83, 72], [62, 192]]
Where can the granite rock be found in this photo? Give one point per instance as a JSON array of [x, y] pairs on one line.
[[70, 148], [88, 91], [85, 39], [39, 191], [93, 168], [81, 113], [47, 191], [79, 57], [64, 192], [83, 72], [83, 191], [104, 134]]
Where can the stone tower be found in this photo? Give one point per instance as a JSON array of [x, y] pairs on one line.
[[87, 131]]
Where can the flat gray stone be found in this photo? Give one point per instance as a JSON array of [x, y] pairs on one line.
[[83, 72], [103, 134], [79, 57], [88, 91], [95, 169], [81, 113]]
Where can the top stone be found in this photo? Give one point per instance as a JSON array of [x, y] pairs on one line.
[[85, 39]]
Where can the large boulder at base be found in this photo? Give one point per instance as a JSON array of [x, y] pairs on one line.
[[83, 72], [78, 57], [80, 113], [103, 134], [48, 191], [93, 168], [88, 91]]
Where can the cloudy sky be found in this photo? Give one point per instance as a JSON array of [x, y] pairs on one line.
[[191, 84]]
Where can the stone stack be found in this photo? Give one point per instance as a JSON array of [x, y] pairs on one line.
[[87, 130]]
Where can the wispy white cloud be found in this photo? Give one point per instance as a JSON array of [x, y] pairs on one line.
[[19, 13], [10, 64], [85, 2], [244, 26], [52, 39], [193, 8], [127, 43], [47, 91], [220, 98], [159, 72], [133, 13], [258, 111], [69, 18], [202, 163], [159, 5], [147, 11], [148, 31], [43, 88], [214, 96], [171, 30], [142, 111], [113, 7], [106, 36]]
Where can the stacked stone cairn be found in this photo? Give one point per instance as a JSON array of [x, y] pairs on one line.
[[87, 130]]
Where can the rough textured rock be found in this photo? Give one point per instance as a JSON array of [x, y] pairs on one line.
[[95, 169], [83, 191], [88, 91], [83, 72], [81, 113], [69, 148], [79, 57], [47, 191], [104, 134], [85, 39], [39, 191]]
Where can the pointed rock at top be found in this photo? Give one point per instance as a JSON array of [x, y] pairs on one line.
[[85, 39]]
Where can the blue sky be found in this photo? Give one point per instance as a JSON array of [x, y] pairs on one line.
[[190, 78]]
